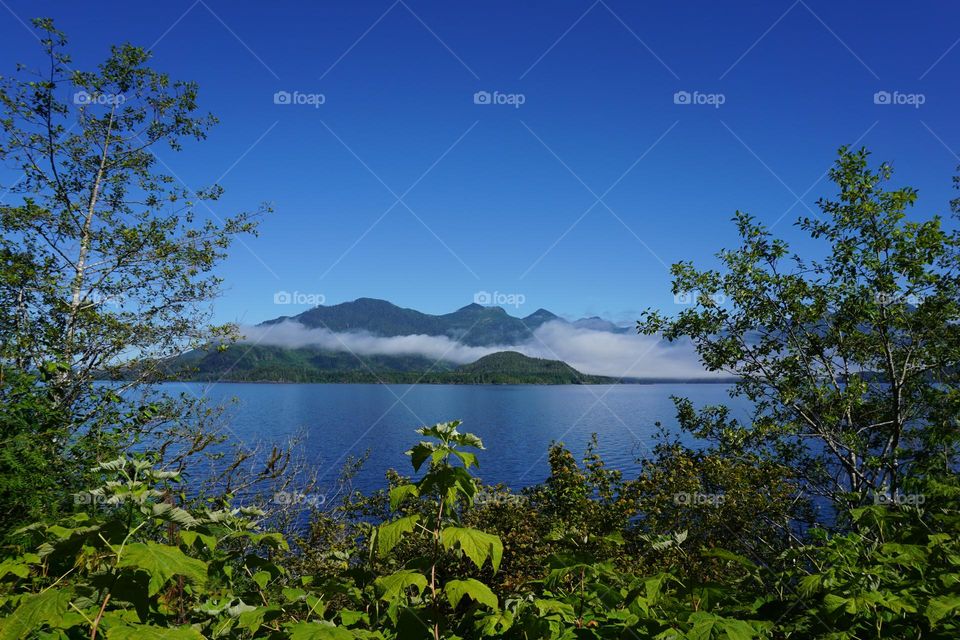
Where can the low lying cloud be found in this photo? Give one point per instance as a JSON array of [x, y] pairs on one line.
[[587, 350], [292, 334], [615, 354]]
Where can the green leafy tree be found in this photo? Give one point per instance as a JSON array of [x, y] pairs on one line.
[[107, 260], [850, 359]]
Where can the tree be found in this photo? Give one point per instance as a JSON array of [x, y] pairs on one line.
[[106, 259], [851, 359]]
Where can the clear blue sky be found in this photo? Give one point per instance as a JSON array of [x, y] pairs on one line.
[[495, 190]]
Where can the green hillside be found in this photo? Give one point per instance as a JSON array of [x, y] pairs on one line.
[[259, 363], [264, 363], [511, 367]]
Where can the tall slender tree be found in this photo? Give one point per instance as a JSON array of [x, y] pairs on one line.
[[107, 259]]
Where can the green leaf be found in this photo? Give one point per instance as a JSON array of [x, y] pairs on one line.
[[703, 627], [17, 567], [738, 629], [348, 617], [473, 589], [397, 583], [318, 631], [208, 540], [940, 607], [151, 632], [401, 493], [562, 610], [35, 611], [162, 562], [467, 458], [388, 535], [495, 624], [723, 554], [261, 578], [254, 618], [169, 513], [477, 545], [419, 454]]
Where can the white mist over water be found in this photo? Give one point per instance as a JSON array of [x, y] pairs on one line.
[[587, 350]]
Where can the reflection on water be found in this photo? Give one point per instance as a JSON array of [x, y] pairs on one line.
[[517, 423]]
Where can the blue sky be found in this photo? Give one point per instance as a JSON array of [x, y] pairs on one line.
[[400, 186]]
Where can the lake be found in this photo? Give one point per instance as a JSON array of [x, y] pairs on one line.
[[517, 422]]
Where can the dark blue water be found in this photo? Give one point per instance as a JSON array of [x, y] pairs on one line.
[[516, 423]]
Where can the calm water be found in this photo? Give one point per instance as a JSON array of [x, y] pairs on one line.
[[517, 423]]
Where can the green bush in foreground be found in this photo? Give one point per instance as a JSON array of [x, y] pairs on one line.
[[137, 565]]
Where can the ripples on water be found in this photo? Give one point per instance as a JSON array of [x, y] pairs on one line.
[[517, 422]]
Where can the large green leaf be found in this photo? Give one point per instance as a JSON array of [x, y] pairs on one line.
[[704, 625], [397, 583], [388, 535], [318, 631], [940, 607], [35, 611], [419, 454], [401, 493], [151, 632], [473, 589], [477, 545], [162, 562]]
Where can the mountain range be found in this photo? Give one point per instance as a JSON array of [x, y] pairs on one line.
[[370, 340], [473, 325]]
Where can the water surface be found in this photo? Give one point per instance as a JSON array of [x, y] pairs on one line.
[[517, 422]]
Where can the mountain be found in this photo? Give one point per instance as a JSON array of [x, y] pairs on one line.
[[599, 324], [473, 325]]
